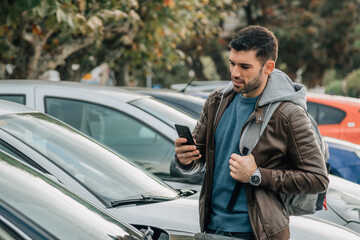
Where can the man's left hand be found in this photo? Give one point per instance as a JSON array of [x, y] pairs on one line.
[[242, 167]]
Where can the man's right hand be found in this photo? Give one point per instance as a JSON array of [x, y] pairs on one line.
[[186, 153]]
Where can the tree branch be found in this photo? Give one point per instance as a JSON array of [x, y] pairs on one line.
[[64, 51], [38, 44], [113, 31], [26, 36]]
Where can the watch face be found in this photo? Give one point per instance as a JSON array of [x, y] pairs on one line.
[[255, 180]]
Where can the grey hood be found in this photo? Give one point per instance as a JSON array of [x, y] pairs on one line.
[[278, 89]]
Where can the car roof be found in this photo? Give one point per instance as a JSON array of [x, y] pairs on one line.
[[207, 86], [108, 91], [166, 93], [335, 99], [342, 144], [7, 107]]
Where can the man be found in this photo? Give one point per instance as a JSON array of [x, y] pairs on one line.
[[287, 159]]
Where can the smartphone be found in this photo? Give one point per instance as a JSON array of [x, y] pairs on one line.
[[184, 132]]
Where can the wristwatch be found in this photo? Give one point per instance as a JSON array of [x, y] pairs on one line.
[[255, 178]]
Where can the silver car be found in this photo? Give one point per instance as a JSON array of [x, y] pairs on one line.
[[99, 175], [120, 119], [113, 183], [34, 207]]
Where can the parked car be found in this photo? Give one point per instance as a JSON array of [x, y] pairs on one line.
[[122, 120], [338, 117], [34, 207], [109, 181], [343, 202], [99, 175], [344, 159]]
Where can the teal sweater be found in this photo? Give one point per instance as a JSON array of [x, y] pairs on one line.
[[227, 138]]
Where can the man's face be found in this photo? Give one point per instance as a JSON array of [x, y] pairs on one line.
[[247, 73]]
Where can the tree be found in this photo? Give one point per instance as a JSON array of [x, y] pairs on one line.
[[37, 35], [314, 35], [353, 84]]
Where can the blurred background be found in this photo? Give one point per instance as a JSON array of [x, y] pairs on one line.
[[156, 43]]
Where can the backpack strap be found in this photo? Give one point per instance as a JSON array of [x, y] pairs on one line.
[[253, 131], [248, 141]]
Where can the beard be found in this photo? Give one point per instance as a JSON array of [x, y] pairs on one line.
[[255, 83]]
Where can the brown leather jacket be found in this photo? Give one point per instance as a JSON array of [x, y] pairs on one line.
[[287, 154]]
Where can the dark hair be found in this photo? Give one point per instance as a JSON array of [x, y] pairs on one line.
[[257, 38]]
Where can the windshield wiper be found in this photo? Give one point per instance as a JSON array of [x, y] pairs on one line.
[[142, 199]]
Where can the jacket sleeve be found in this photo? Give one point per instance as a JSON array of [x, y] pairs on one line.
[[306, 170], [199, 134]]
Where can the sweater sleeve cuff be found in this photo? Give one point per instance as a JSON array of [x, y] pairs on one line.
[[183, 166]]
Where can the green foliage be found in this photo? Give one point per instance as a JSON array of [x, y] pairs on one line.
[[313, 35], [37, 35], [165, 78], [353, 84], [329, 76], [335, 88]]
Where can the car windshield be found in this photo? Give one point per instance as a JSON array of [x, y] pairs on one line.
[[106, 174], [56, 210], [164, 112]]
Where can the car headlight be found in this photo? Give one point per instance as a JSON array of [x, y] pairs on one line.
[[344, 204]]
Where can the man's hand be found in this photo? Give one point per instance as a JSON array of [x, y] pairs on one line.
[[186, 153], [241, 167]]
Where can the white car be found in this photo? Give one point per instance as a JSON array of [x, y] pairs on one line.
[[122, 120], [113, 183]]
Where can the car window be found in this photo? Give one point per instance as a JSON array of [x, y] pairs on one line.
[[56, 210], [324, 114], [164, 112], [106, 174], [116, 130], [13, 98]]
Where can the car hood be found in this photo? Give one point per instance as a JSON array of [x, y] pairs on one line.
[[184, 214], [310, 228]]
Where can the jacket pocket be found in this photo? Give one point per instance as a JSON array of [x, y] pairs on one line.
[[271, 212]]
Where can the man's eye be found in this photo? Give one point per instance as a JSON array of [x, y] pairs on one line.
[[245, 67], [232, 64]]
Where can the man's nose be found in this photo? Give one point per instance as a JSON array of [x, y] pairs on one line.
[[236, 72]]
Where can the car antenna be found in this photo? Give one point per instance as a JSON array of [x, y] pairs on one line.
[[192, 77]]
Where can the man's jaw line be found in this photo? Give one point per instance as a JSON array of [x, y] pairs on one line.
[[242, 90]]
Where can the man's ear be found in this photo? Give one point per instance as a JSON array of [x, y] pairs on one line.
[[269, 67]]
